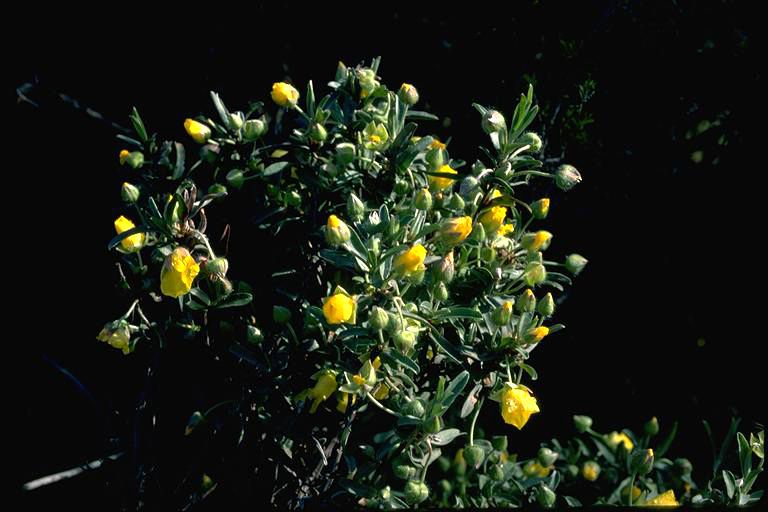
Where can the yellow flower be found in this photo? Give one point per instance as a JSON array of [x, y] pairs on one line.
[[336, 231], [124, 155], [536, 334], [506, 229], [376, 363], [343, 402], [493, 218], [493, 195], [664, 500], [117, 334], [375, 136], [614, 439], [436, 144], [534, 468], [132, 243], [456, 230], [199, 132], [178, 272], [538, 241], [636, 492], [382, 392], [411, 261], [517, 405], [324, 387], [439, 183], [590, 470], [284, 94], [339, 309]]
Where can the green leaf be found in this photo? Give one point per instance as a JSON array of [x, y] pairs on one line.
[[200, 295], [419, 115], [745, 454], [470, 401], [455, 388], [178, 170], [444, 437], [667, 442], [572, 502], [726, 443], [310, 99], [236, 299], [730, 483], [456, 312], [529, 370], [220, 108], [276, 168], [394, 358], [138, 125], [480, 109]]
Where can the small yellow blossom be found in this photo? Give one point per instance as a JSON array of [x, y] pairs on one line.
[[411, 261], [436, 144], [382, 392], [636, 492], [590, 470], [118, 335], [132, 243], [517, 405], [493, 218], [284, 94], [534, 469], [199, 132], [456, 230], [324, 388], [178, 272], [124, 155], [339, 309], [536, 334], [506, 229], [376, 363], [614, 439], [439, 183], [493, 195], [343, 401], [664, 500]]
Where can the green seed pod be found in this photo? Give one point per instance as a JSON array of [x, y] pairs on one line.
[[416, 492], [254, 128], [378, 318], [474, 455], [582, 423], [405, 341], [456, 202], [441, 292], [500, 443], [487, 254], [547, 457], [217, 188], [443, 463], [345, 153], [433, 426], [496, 472]]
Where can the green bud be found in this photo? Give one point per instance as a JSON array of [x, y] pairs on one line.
[[683, 466], [652, 426], [445, 486], [500, 443], [502, 314], [456, 202], [575, 263], [423, 200], [540, 208], [281, 315], [336, 231], [210, 153], [545, 496], [567, 177], [414, 408], [547, 457], [408, 94], [533, 139], [526, 302], [405, 341], [217, 267], [395, 324], [435, 157], [217, 188], [355, 208], [254, 128], [416, 278], [535, 273], [582, 423], [378, 318], [433, 426], [129, 193], [641, 461], [318, 133], [487, 254], [253, 335], [345, 153], [402, 469], [478, 233], [496, 472], [236, 120], [135, 159], [546, 307], [374, 245], [445, 269], [293, 198], [441, 292], [416, 492], [572, 470], [235, 178], [538, 241], [330, 169], [443, 463], [493, 122], [474, 455], [401, 186]]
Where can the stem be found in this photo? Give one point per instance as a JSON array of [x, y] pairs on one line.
[[205, 241], [380, 405], [631, 486], [426, 463], [474, 420], [130, 309], [509, 371]]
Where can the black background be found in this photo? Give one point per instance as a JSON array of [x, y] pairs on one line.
[[665, 321]]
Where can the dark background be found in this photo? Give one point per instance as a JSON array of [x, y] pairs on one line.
[[666, 319]]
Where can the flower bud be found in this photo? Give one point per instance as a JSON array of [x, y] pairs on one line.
[[441, 292], [500, 443], [478, 233], [408, 94], [345, 153], [538, 241], [572, 470], [378, 318], [210, 153], [545, 496], [134, 159], [567, 177], [502, 314], [416, 492], [474, 455], [236, 178], [129, 193], [641, 461], [496, 472], [285, 95], [374, 245], [456, 202], [355, 208], [532, 139], [199, 132], [395, 324], [651, 427], [402, 469], [423, 200], [236, 120], [590, 470], [487, 254], [336, 231], [254, 128], [547, 457], [253, 335], [318, 133], [444, 270], [401, 186], [405, 341], [541, 208], [217, 267], [469, 187], [433, 426], [535, 273], [582, 423], [536, 334], [281, 314], [416, 277], [526, 303], [435, 157], [413, 408], [118, 335], [493, 121], [546, 306], [445, 486], [575, 263]]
